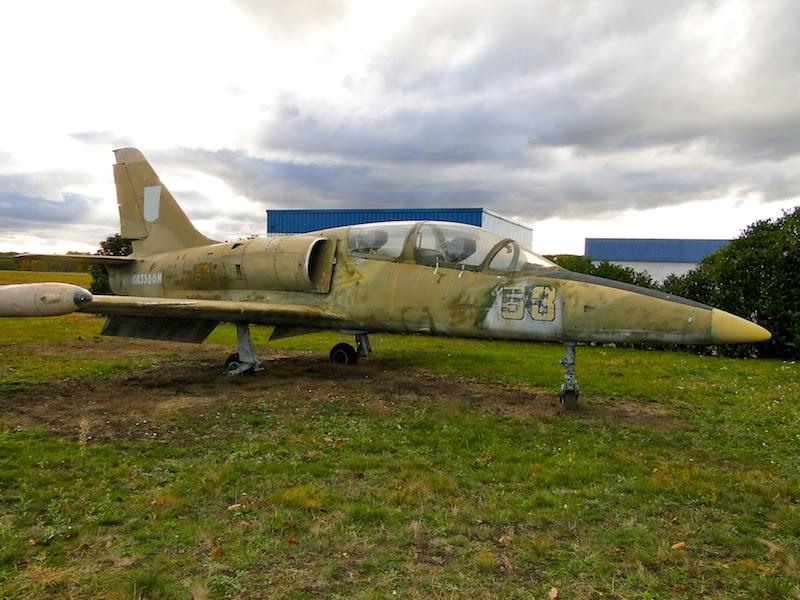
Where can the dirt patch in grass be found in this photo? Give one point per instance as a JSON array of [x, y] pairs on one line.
[[148, 403], [638, 412], [527, 403]]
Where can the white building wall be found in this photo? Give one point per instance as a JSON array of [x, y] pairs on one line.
[[659, 271], [500, 225]]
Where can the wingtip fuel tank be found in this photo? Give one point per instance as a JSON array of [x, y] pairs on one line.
[[42, 299]]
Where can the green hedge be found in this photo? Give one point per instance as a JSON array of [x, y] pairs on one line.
[[756, 276]]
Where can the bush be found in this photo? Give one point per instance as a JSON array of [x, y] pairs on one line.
[[573, 262], [626, 274], [114, 245], [607, 270], [756, 276]]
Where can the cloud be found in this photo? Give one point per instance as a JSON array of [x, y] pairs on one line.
[[581, 185], [269, 182], [572, 109], [18, 211], [36, 208], [108, 139], [47, 185], [535, 109], [37, 237], [286, 184], [288, 19], [461, 132]]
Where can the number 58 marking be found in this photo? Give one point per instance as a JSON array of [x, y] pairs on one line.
[[543, 303]]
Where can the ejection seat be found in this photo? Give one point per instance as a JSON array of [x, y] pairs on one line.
[[368, 241], [459, 249]]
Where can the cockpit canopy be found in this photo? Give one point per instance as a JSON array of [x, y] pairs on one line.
[[379, 240], [438, 243]]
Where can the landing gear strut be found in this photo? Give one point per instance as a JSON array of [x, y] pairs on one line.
[[363, 345], [345, 354], [245, 360], [569, 389]]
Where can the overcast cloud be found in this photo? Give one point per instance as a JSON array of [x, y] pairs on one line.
[[565, 112]]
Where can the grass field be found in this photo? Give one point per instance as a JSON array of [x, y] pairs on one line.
[[442, 468], [7, 277]]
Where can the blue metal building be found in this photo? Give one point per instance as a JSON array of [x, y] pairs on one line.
[[659, 257], [288, 221]]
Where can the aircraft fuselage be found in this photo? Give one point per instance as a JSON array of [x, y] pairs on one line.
[[541, 303]]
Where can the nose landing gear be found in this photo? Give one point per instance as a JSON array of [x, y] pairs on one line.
[[569, 389]]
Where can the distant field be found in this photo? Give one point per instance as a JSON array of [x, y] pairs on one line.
[[441, 468], [7, 277]]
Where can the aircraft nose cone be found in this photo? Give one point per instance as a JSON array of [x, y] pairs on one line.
[[82, 298], [730, 329]]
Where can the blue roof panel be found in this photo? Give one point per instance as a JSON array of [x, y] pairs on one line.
[[650, 250], [301, 221]]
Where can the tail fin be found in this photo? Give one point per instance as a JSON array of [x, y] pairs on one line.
[[148, 214]]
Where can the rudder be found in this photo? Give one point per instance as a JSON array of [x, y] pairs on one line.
[[148, 213]]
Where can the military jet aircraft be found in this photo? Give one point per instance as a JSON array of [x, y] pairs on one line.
[[423, 277]]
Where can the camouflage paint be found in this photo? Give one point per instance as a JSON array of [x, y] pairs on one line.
[[402, 296]]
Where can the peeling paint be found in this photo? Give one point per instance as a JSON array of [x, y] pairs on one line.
[[396, 277], [383, 295]]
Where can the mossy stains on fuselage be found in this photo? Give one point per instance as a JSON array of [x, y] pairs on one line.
[[376, 294]]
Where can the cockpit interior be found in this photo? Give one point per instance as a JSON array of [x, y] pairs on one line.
[[441, 244]]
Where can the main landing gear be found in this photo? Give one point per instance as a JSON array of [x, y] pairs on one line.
[[569, 389], [245, 360], [345, 354]]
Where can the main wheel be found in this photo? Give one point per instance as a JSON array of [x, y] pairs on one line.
[[233, 358], [344, 354], [569, 399]]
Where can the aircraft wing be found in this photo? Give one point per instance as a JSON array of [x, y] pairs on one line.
[[212, 310], [192, 320], [174, 319], [80, 259]]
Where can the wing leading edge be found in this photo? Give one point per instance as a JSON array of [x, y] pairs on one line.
[[80, 259], [192, 320], [214, 310]]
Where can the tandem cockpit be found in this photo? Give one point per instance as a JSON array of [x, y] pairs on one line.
[[442, 244]]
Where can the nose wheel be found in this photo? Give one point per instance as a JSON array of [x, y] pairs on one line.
[[569, 389]]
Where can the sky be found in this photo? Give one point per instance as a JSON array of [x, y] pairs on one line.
[[582, 119]]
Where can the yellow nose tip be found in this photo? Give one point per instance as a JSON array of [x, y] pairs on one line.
[[730, 329]]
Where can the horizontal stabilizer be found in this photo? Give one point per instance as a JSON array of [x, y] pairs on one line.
[[80, 259]]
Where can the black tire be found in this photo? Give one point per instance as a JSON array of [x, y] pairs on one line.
[[233, 358], [569, 399], [343, 354]]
